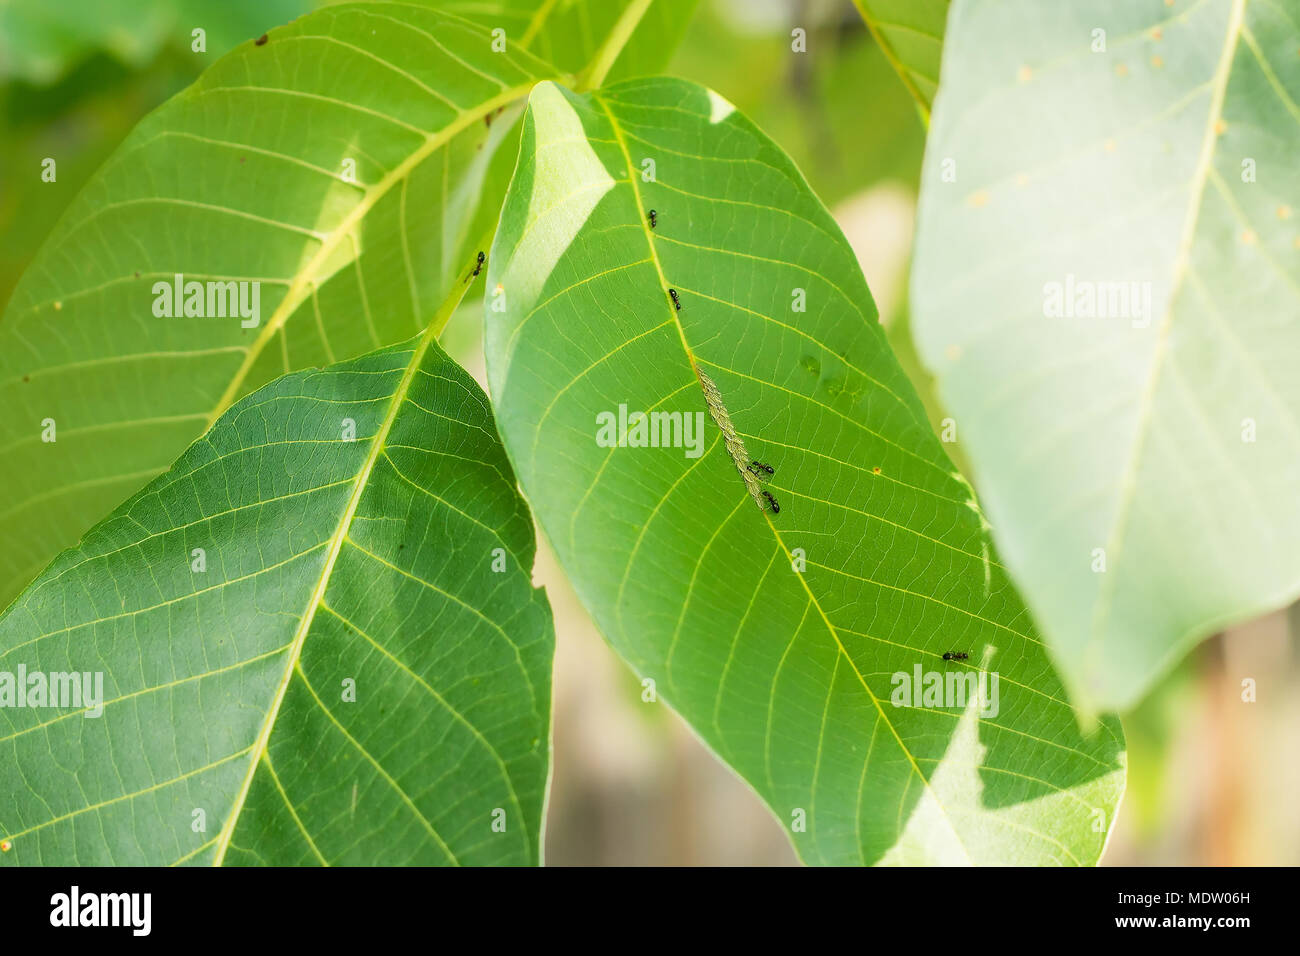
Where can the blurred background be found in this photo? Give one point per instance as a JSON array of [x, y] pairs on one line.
[[1212, 779]]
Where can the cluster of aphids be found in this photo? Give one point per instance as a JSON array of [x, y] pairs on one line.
[[757, 468], [762, 471], [955, 655]]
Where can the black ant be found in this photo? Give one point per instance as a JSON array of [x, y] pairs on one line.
[[776, 508], [652, 219], [955, 655], [478, 265], [760, 469], [672, 293]]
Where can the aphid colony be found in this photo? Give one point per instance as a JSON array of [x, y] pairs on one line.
[[762, 471], [955, 655], [755, 471]]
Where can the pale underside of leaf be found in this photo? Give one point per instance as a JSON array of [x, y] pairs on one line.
[[1164, 162]]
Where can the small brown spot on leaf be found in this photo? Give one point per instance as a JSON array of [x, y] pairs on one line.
[[876, 470], [261, 41]]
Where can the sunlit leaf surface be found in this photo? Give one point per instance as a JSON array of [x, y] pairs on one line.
[[780, 637]]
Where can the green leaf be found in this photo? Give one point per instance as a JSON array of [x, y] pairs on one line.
[[569, 34], [327, 563], [1108, 295], [242, 177], [787, 674], [910, 33]]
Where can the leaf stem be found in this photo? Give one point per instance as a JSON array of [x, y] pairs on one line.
[[594, 75], [922, 107], [535, 25]]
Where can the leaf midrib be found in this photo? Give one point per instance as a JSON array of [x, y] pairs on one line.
[[1196, 202], [300, 287], [336, 540], [595, 73], [297, 293]]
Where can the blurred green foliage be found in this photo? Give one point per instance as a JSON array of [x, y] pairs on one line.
[[77, 122], [41, 42]]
